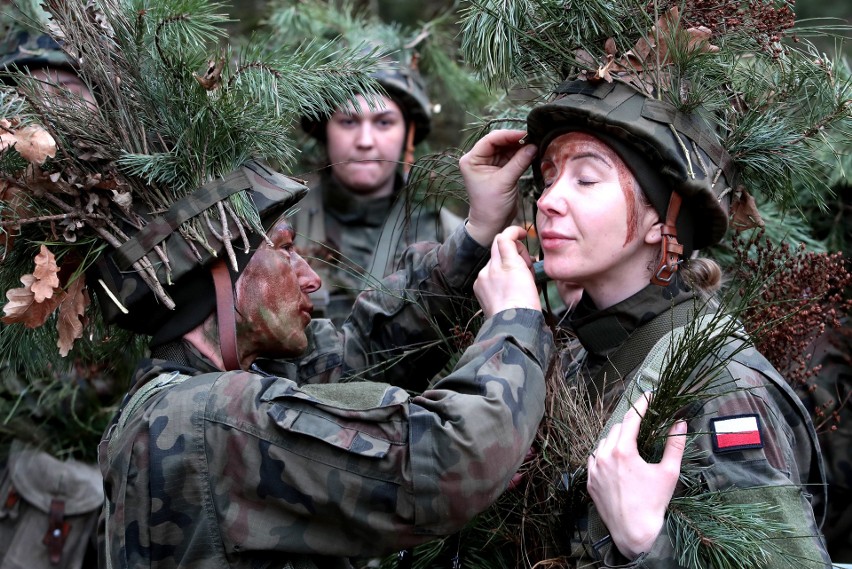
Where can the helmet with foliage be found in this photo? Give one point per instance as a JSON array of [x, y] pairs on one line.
[[138, 196], [667, 150]]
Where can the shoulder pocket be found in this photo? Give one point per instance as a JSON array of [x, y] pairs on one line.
[[364, 418]]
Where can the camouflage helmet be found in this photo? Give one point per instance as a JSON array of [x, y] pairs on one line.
[[652, 138], [128, 301], [23, 44], [405, 85]]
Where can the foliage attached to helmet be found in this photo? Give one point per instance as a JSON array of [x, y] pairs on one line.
[[132, 197]]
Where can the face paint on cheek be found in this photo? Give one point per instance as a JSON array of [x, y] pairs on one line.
[[628, 188]]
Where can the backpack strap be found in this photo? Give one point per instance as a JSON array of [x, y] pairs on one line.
[[392, 230], [640, 343]]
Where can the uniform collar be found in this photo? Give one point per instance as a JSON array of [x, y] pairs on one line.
[[349, 209], [602, 331]]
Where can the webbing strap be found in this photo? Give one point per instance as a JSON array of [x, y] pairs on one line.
[[226, 319], [389, 239], [158, 229], [639, 344]]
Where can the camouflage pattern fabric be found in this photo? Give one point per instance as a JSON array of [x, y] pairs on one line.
[[833, 393], [244, 469], [338, 234], [30, 50], [781, 473]]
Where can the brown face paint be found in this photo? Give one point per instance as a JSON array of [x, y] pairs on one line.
[[563, 148]]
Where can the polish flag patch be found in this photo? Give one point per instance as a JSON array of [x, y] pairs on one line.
[[736, 433]]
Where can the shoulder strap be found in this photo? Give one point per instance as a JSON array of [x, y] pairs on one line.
[[389, 239], [310, 219], [641, 342]]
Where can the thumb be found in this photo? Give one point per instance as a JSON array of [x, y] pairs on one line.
[[675, 445], [520, 161]]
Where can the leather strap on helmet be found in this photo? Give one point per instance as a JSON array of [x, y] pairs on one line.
[[671, 249], [226, 315], [408, 157]]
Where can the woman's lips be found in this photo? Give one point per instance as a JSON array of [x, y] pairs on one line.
[[550, 239]]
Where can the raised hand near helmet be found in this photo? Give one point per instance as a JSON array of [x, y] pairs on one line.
[[491, 170], [506, 281], [631, 495]]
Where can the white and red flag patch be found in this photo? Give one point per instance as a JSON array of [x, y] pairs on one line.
[[736, 432]]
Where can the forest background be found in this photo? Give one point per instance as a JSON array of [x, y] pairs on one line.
[[452, 119]]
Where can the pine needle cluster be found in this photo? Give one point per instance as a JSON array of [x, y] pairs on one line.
[[175, 107]]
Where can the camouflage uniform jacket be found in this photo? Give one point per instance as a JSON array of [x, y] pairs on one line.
[[783, 470], [243, 469], [339, 233]]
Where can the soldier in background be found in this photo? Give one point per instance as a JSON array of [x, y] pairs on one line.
[[356, 222], [49, 505]]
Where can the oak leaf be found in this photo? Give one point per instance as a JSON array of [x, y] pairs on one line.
[[71, 315], [744, 214], [35, 144], [46, 274], [22, 307]]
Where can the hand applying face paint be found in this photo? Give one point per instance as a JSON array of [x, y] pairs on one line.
[[507, 280]]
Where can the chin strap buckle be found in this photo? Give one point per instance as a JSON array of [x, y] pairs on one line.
[[671, 249]]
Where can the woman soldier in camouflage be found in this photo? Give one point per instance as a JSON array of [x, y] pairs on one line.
[[620, 214]]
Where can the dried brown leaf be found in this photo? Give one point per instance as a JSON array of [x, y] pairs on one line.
[[212, 78], [46, 274], [71, 315], [744, 214], [22, 307], [35, 144]]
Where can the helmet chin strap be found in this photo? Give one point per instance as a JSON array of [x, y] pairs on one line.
[[226, 315], [671, 249], [408, 156]]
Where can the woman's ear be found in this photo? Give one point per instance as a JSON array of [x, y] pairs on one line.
[[654, 235]]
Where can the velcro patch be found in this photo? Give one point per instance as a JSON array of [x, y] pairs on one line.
[[736, 432]]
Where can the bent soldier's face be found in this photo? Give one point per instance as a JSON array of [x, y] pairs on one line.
[[272, 302]]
